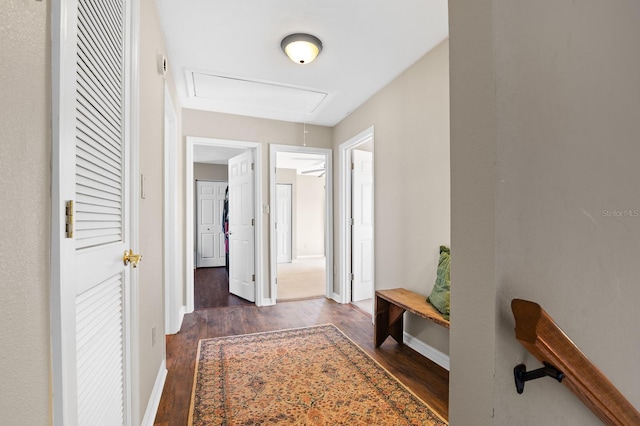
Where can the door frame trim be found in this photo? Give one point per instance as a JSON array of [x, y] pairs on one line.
[[172, 253], [290, 189], [189, 213], [328, 153], [344, 210]]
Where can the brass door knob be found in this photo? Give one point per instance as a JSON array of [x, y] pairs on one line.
[[130, 257]]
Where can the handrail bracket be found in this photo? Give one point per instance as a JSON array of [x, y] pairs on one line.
[[521, 375]]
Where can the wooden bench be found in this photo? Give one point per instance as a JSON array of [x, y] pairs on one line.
[[390, 307]]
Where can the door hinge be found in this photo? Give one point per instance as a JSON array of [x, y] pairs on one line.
[[253, 277], [69, 219], [276, 225], [350, 221], [352, 277], [253, 165], [353, 166], [253, 222]]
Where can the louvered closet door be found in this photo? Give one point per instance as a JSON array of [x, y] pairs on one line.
[[101, 216]]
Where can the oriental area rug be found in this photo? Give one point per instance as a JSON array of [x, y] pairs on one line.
[[306, 376]]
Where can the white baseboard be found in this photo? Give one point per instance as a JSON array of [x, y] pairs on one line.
[[428, 351], [268, 302], [337, 298], [156, 394], [183, 312], [175, 327]]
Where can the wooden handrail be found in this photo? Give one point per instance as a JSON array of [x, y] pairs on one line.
[[537, 332]]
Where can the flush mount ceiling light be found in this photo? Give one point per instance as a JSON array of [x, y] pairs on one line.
[[301, 48]]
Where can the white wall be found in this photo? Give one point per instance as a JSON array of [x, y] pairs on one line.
[[411, 172], [25, 179], [545, 100]]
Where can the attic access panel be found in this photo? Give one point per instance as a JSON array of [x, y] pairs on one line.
[[255, 94]]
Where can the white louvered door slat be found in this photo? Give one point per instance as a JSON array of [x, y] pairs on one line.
[[89, 179], [106, 160], [100, 171]]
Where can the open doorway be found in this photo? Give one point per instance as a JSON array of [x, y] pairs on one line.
[[301, 222], [211, 254], [357, 221], [236, 165]]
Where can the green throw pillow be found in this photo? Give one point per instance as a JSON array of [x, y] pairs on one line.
[[441, 293]]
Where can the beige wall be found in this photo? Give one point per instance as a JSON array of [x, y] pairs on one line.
[[240, 128], [213, 172], [544, 155], [472, 339], [311, 207], [411, 172], [290, 176], [150, 271], [307, 212], [25, 177]]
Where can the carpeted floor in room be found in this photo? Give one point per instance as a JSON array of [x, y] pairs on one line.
[[302, 278]]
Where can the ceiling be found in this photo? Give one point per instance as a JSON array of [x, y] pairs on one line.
[[304, 163], [214, 154], [226, 57]]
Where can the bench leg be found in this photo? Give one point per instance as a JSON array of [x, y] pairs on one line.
[[388, 322], [381, 321], [396, 326]]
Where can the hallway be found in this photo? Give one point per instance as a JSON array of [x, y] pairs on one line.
[[426, 379]]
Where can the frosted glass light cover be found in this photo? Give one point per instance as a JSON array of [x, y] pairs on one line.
[[301, 52], [301, 48]]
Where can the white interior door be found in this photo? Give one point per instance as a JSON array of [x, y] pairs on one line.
[[283, 222], [210, 235], [241, 227], [362, 229], [91, 299]]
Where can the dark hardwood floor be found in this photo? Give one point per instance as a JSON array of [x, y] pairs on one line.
[[426, 379], [211, 289]]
